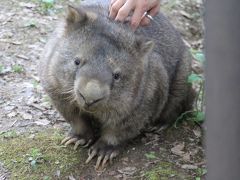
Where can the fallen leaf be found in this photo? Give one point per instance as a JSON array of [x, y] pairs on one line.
[[43, 122], [128, 170], [186, 157], [178, 149]]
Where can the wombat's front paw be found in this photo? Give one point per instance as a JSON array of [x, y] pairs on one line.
[[77, 140], [105, 153]]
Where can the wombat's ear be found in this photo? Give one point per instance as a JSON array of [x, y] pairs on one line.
[[144, 46], [75, 15]]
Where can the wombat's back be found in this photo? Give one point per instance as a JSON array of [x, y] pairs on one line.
[[168, 43]]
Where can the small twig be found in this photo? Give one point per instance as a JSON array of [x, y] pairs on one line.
[[37, 107], [14, 123]]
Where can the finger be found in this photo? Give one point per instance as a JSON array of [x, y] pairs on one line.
[[124, 11], [115, 8], [110, 4], [145, 21], [137, 15], [153, 12]]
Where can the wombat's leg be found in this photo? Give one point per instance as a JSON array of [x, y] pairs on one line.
[[81, 131], [104, 151], [179, 96], [80, 135], [110, 143]]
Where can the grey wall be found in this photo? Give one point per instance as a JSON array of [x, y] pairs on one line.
[[223, 89]]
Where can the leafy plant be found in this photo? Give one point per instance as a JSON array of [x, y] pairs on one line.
[[17, 68], [200, 172], [151, 155], [31, 24], [35, 157], [47, 6]]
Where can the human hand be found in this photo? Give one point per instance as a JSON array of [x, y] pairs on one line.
[[120, 10]]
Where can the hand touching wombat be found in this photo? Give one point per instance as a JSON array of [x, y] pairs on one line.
[[110, 83]]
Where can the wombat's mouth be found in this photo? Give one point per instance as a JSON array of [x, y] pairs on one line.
[[89, 105]]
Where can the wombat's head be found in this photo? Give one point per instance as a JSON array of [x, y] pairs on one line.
[[101, 61]]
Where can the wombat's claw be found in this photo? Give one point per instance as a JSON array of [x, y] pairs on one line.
[[68, 140], [77, 141], [109, 156], [91, 155], [80, 142], [104, 156]]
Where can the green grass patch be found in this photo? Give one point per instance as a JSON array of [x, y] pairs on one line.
[[163, 171], [39, 156], [17, 68]]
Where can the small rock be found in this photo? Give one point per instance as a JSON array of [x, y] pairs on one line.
[[9, 108], [27, 5], [71, 178], [12, 114], [26, 116]]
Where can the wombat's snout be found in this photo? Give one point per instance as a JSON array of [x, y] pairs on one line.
[[91, 91]]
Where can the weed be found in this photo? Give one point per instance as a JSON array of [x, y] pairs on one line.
[[35, 157], [151, 155], [17, 68], [47, 6], [35, 84], [9, 134], [31, 24], [200, 172], [1, 68], [162, 171]]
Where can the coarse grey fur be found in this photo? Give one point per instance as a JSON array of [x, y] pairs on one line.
[[150, 66]]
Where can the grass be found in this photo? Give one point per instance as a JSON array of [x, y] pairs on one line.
[[163, 171], [17, 68], [38, 156]]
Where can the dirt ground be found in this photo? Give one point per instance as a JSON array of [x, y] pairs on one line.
[[28, 122]]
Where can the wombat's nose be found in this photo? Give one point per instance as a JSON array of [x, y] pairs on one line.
[[92, 93]]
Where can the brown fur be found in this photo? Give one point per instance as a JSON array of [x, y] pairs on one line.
[[153, 64]]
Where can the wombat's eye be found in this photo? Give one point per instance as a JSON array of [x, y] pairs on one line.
[[77, 61], [116, 76]]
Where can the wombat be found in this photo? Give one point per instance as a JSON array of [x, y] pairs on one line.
[[109, 82]]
